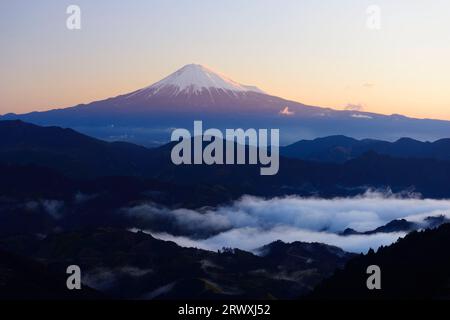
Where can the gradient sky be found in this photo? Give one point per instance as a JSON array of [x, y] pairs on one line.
[[316, 52]]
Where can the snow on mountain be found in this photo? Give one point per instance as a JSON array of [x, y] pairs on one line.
[[194, 79], [195, 92]]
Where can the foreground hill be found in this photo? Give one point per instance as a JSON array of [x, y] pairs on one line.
[[22, 278], [416, 267], [123, 264]]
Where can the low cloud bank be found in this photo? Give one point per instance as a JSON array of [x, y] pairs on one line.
[[251, 222], [250, 239]]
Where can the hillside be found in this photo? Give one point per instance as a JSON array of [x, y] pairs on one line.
[[416, 267]]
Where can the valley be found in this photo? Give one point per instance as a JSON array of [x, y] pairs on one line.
[[128, 216]]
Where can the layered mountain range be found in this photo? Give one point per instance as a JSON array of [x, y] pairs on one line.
[[339, 149], [78, 156], [64, 195]]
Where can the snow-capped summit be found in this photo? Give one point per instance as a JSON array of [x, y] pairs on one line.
[[195, 79]]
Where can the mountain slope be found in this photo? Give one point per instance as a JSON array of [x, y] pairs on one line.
[[72, 153], [416, 267], [194, 92], [24, 279]]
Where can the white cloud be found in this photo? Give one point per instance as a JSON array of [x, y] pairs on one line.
[[354, 107], [251, 221]]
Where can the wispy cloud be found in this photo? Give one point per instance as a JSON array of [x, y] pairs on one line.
[[354, 107]]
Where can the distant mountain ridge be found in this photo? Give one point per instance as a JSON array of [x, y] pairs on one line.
[[340, 149], [402, 225]]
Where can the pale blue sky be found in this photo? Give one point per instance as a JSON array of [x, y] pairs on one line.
[[314, 51]]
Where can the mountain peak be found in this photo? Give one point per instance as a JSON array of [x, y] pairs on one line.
[[194, 78]]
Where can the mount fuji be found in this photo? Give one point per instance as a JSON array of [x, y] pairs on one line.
[[195, 92], [195, 78]]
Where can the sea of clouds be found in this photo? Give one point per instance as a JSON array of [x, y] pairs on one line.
[[252, 222]]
